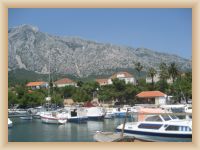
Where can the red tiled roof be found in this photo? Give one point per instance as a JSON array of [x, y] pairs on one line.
[[64, 81], [126, 75], [35, 83], [146, 94], [102, 81]]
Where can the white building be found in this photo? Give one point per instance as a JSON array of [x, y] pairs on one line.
[[157, 78], [64, 82], [127, 77], [152, 97], [37, 85]]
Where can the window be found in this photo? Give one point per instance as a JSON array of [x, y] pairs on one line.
[[154, 118], [178, 128], [173, 117], [149, 126], [166, 117]]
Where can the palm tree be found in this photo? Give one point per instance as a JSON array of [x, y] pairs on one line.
[[151, 73], [164, 74], [173, 71], [138, 67]]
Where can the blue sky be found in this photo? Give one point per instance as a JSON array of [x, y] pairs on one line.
[[163, 30]]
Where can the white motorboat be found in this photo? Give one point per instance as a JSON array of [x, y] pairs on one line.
[[54, 117], [77, 115], [164, 128], [109, 113], [29, 117], [119, 112], [179, 108], [10, 124], [95, 113]]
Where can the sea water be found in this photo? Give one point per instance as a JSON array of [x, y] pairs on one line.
[[36, 131]]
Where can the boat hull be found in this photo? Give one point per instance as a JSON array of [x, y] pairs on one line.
[[78, 119], [159, 137], [96, 118], [53, 120], [120, 114], [27, 118]]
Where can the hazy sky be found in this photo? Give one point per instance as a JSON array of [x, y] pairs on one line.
[[163, 30]]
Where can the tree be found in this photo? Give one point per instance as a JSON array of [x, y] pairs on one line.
[[173, 71], [68, 91], [164, 74], [79, 83], [138, 67], [90, 87], [81, 96], [151, 73], [182, 87], [12, 98], [106, 93]]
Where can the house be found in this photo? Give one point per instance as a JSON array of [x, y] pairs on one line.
[[102, 82], [152, 97], [157, 78], [37, 85], [64, 82], [127, 77]]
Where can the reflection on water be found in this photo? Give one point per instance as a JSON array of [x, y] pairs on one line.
[[36, 131]]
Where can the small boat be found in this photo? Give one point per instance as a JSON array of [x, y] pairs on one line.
[[115, 137], [165, 128], [95, 113], [26, 118], [77, 115], [109, 113], [10, 124], [54, 118], [119, 112]]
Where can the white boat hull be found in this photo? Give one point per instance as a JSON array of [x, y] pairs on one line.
[[158, 137], [53, 120], [10, 124]]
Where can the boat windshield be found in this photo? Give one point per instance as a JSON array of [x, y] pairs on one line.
[[173, 117], [166, 117]]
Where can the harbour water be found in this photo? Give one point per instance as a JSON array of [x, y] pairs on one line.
[[36, 131]]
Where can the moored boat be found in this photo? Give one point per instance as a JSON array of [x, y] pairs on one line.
[[54, 118], [27, 117], [115, 137], [159, 128], [10, 123], [109, 114], [95, 113], [77, 115]]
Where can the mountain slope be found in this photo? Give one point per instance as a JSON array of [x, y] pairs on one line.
[[30, 49]]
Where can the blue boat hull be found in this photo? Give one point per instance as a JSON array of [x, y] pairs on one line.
[[78, 120], [95, 118], [163, 137]]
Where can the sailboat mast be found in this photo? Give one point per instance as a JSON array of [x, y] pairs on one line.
[[49, 72]]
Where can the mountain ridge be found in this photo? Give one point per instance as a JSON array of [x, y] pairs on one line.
[[29, 48]]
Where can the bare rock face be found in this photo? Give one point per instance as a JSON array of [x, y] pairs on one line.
[[31, 49]]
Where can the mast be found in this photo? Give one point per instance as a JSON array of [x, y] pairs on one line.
[[49, 73], [48, 98]]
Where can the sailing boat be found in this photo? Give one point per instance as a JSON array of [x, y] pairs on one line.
[[52, 117]]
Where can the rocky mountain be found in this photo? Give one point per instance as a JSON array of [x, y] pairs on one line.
[[30, 49]]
